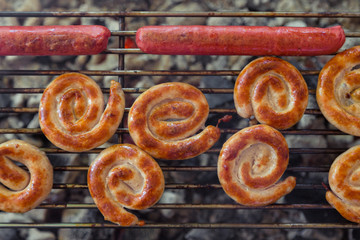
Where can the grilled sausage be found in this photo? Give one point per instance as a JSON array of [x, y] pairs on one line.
[[337, 92], [272, 90], [344, 193], [124, 176], [250, 164], [24, 190], [53, 40], [239, 40], [163, 120], [71, 113]]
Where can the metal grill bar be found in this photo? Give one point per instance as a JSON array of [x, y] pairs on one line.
[[126, 90], [196, 206], [133, 33], [211, 110], [188, 225], [125, 130], [182, 14], [186, 186], [196, 169], [216, 151], [168, 186], [106, 90], [137, 72], [121, 65], [123, 51], [123, 33], [138, 51]]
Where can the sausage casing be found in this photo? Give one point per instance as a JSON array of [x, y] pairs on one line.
[[239, 40], [53, 40]]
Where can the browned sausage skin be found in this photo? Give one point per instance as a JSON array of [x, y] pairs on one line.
[[71, 113], [124, 176], [272, 90], [53, 40], [344, 193], [239, 40], [250, 164], [163, 120], [337, 92], [23, 190]]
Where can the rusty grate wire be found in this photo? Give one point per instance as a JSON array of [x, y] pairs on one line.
[[121, 73]]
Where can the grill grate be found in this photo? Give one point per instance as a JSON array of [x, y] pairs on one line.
[[121, 73]]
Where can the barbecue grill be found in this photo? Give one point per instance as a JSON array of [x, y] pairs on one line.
[[300, 200]]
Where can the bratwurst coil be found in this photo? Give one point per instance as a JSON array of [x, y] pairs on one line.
[[53, 40], [250, 164], [163, 120], [272, 90], [71, 112], [24, 190], [338, 91], [124, 176], [239, 40], [344, 177]]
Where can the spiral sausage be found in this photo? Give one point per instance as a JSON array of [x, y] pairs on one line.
[[71, 116], [26, 192], [344, 182], [250, 164], [272, 90], [124, 176], [163, 118], [338, 91]]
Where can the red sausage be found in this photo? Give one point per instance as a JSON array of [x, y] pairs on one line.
[[239, 40], [53, 40]]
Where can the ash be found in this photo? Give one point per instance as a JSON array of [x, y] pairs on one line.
[[155, 62]]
